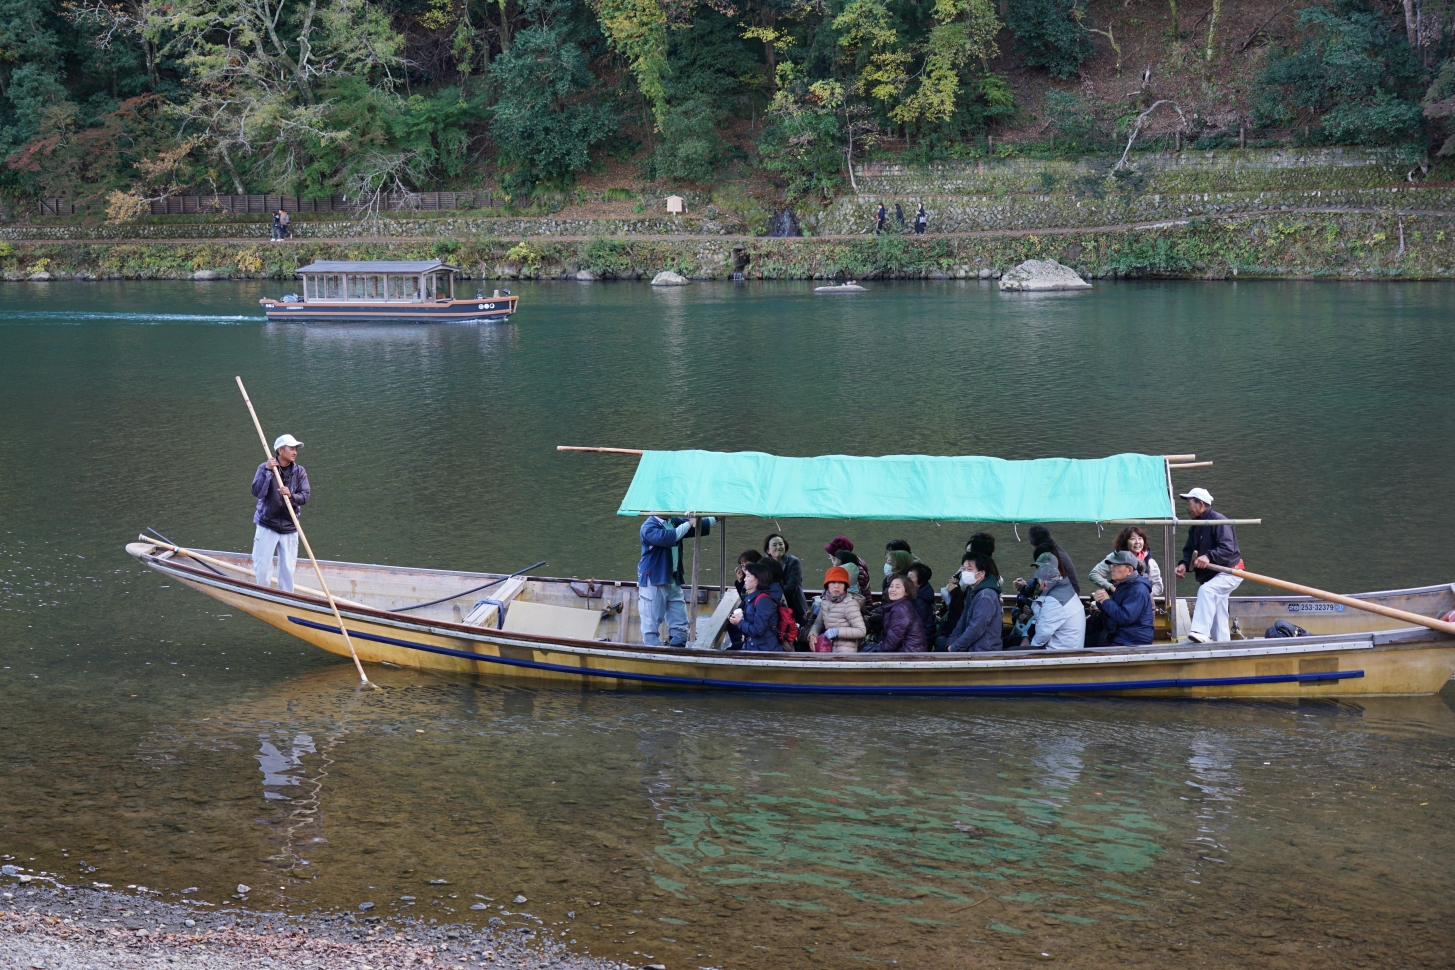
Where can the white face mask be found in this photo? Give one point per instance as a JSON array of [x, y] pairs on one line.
[[887, 569], [968, 578]]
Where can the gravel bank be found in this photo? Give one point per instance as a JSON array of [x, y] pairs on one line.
[[51, 926]]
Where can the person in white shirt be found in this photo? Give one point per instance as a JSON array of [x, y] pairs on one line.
[[1060, 617]]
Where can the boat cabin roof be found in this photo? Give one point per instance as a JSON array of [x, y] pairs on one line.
[[407, 267]]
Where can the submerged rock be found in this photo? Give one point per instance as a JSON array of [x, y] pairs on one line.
[[1042, 274], [849, 287], [669, 278]]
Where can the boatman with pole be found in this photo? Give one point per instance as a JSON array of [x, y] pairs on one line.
[[275, 530], [660, 577], [1206, 545]]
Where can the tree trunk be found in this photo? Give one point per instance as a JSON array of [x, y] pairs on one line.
[[227, 160], [1212, 26], [1411, 24]]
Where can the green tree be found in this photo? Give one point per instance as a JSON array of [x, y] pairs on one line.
[[544, 127], [1051, 34], [1352, 80]]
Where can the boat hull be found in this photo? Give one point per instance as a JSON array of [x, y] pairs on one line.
[[1403, 661], [489, 309]]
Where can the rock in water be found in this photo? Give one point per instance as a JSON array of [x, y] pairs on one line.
[[520, 899], [206, 275], [669, 278], [1042, 274], [585, 276], [241, 888], [366, 906]]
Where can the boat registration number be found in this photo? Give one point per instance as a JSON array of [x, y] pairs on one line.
[[1315, 607]]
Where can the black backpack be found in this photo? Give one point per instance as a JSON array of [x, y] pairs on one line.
[[1284, 629]]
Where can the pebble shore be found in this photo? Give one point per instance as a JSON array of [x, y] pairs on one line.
[[58, 927]]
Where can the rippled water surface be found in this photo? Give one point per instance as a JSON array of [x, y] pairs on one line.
[[153, 736]]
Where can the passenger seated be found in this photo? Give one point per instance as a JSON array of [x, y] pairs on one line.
[[954, 593], [757, 618], [1123, 618], [734, 635], [1059, 616], [1133, 540], [979, 628], [1041, 538], [839, 619], [841, 553], [924, 600], [903, 632]]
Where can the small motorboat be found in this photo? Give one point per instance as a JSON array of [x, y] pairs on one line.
[[415, 291]]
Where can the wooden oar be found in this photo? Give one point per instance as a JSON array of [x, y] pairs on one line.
[[288, 504], [1439, 626], [242, 570]]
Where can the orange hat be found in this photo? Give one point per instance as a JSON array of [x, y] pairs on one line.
[[836, 574]]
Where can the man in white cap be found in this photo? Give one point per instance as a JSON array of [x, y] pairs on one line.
[[275, 531], [1218, 545]]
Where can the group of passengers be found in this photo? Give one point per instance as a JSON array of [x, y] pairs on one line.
[[965, 615]]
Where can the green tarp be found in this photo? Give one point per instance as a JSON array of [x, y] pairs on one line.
[[900, 487]]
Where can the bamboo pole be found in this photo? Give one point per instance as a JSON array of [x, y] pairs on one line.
[[1439, 626], [242, 570], [1187, 522], [696, 551], [288, 504], [601, 451], [1188, 464]]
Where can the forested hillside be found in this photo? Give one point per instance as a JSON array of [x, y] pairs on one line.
[[121, 101]]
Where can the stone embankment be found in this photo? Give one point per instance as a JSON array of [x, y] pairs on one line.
[[1327, 214]]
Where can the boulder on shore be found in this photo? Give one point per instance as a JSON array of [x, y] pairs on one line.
[[585, 276], [669, 278], [207, 275], [1042, 274]]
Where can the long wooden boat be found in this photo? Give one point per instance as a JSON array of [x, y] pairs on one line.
[[419, 291], [587, 633]]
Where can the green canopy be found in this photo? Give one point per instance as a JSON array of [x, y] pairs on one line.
[[901, 487]]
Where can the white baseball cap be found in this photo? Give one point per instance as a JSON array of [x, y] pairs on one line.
[[1201, 494], [288, 441]]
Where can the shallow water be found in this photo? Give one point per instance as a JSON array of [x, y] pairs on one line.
[[149, 734]]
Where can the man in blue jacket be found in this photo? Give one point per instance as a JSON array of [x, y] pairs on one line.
[[1126, 613], [660, 578]]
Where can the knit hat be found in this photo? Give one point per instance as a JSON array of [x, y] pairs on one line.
[[836, 574], [837, 543]]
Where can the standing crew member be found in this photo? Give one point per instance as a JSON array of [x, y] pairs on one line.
[[275, 530], [660, 578], [1216, 544]]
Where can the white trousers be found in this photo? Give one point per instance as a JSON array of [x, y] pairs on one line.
[[1210, 617], [265, 541], [657, 603]]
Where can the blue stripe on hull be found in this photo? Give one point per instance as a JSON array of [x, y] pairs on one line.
[[665, 680]]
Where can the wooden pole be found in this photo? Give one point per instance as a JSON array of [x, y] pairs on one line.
[[696, 550], [1439, 626], [601, 451], [288, 504], [1189, 464], [722, 557]]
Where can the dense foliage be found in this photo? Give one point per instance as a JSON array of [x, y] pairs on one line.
[[130, 100]]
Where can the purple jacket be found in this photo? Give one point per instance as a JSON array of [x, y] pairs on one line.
[[270, 513], [903, 630]]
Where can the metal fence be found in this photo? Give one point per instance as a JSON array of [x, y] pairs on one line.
[[204, 204]]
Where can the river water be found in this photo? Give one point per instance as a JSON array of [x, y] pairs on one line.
[[150, 735]]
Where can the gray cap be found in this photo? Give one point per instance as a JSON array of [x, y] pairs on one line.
[[1048, 567], [1122, 558]]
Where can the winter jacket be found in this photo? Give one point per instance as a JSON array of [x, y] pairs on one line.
[[1060, 618], [661, 562], [270, 513], [844, 615], [1217, 542], [760, 620], [1100, 574], [979, 628], [903, 631], [1129, 613], [924, 605], [793, 597]]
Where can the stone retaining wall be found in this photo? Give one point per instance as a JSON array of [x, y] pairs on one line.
[[1236, 170], [1377, 245], [855, 214], [385, 227]]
